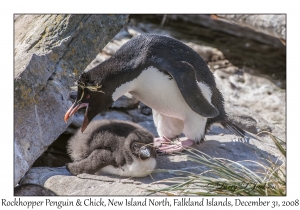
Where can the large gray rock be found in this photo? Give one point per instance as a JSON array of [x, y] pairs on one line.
[[50, 51], [271, 24]]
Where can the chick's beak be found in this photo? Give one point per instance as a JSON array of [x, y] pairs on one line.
[[144, 152]]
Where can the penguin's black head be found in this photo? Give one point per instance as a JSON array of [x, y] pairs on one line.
[[92, 95], [143, 151]]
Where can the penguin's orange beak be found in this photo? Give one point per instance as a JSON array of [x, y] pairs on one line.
[[74, 109]]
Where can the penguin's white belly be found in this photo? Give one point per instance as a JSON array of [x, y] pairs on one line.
[[157, 91], [162, 94], [139, 168]]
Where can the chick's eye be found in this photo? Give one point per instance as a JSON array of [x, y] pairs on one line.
[[135, 145]]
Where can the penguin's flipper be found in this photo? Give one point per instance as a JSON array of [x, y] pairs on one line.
[[98, 159], [185, 76]]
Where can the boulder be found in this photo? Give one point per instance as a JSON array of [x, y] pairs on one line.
[[50, 52], [273, 25]]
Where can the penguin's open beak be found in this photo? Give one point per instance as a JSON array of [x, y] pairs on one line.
[[74, 109]]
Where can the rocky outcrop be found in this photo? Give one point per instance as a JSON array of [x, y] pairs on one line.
[[50, 51], [273, 25]]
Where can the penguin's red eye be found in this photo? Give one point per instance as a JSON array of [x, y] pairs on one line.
[[88, 96]]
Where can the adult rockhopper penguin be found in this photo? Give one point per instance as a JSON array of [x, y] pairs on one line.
[[113, 147], [166, 75]]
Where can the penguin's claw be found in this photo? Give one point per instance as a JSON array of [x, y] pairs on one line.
[[158, 142], [167, 146]]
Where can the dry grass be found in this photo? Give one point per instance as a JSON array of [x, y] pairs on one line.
[[225, 177]]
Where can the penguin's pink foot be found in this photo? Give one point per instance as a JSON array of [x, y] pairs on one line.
[[165, 145]]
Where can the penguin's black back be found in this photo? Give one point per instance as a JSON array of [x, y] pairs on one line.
[[147, 50]]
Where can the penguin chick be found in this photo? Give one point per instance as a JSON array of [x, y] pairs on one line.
[[114, 147], [166, 75]]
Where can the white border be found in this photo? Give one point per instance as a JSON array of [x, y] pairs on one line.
[[8, 8]]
